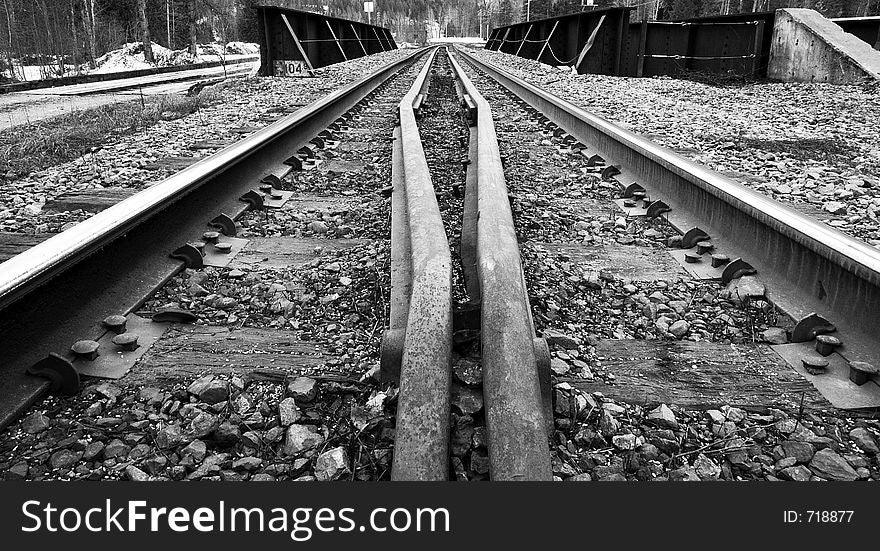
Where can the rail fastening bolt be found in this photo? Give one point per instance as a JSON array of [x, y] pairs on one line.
[[223, 247], [692, 258], [704, 247], [126, 341], [861, 372], [815, 365], [211, 236], [86, 349], [629, 203], [719, 260], [115, 323], [825, 344]]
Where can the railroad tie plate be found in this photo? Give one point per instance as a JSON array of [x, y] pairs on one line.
[[214, 257], [276, 199], [113, 362], [834, 384], [698, 270], [636, 210]]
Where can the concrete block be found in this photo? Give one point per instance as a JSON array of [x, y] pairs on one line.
[[807, 47]]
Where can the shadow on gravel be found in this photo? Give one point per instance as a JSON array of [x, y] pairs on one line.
[[805, 148]]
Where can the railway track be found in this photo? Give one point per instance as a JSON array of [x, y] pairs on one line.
[[474, 247]]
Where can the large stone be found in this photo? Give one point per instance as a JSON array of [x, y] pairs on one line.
[[249, 463], [462, 436], [332, 464], [559, 366], [303, 389], [133, 473], [775, 335], [705, 468], [802, 452], [17, 471], [151, 396], [561, 340], [170, 436], [117, 449], [746, 288], [288, 411], [199, 385], [467, 400], [624, 441], [829, 465], [684, 474], [798, 473], [64, 459], [214, 391], [301, 438], [227, 434], [480, 462], [93, 450], [680, 328], [34, 423], [197, 449], [202, 425], [662, 417], [864, 440], [608, 425], [154, 465]]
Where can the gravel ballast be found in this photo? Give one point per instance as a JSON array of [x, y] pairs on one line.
[[245, 105], [813, 146]]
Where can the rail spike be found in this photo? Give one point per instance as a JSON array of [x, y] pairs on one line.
[[224, 223], [254, 199], [631, 189], [692, 237], [60, 371], [190, 255], [809, 326], [736, 269]]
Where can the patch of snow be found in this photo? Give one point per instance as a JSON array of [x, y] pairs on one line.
[[130, 56]]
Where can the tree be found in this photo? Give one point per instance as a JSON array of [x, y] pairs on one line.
[[145, 32], [193, 20], [505, 13]]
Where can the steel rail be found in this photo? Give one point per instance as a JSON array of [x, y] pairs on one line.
[[111, 262], [808, 266], [517, 424], [421, 447]]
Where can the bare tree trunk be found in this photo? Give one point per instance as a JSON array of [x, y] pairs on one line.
[[9, 19], [193, 45], [89, 22], [145, 31], [50, 42], [75, 35]]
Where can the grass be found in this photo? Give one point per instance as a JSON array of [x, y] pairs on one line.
[[32, 147]]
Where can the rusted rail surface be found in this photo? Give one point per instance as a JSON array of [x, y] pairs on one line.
[[421, 306], [807, 266], [518, 445]]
